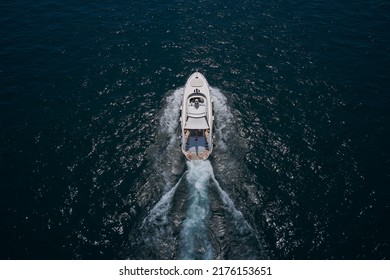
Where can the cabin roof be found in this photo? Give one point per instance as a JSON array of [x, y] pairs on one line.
[[196, 123]]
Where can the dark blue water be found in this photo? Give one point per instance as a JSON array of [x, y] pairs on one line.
[[89, 157]]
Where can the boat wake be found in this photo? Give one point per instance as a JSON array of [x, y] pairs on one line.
[[157, 229], [195, 242], [153, 237], [194, 218]]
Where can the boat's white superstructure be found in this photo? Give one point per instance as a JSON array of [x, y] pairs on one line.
[[197, 118]]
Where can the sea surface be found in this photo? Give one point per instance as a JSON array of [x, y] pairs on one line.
[[90, 161]]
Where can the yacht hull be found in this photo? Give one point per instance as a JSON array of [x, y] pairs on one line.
[[197, 118]]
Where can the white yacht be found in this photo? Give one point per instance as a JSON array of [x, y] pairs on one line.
[[197, 118]]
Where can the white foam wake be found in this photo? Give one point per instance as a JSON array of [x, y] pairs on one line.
[[238, 218], [170, 118], [195, 243], [168, 161], [158, 216], [157, 227], [223, 117]]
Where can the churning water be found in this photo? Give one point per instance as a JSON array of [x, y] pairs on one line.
[[195, 242]]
